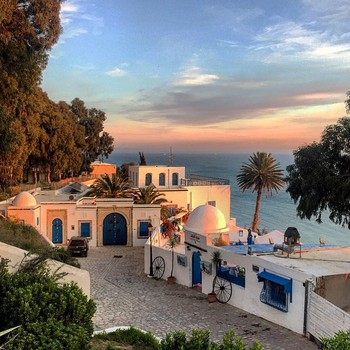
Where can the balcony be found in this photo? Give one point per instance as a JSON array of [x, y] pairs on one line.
[[198, 180]]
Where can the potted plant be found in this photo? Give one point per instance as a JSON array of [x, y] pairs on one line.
[[172, 243], [216, 259]]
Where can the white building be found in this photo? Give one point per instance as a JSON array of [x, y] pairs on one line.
[[308, 294], [181, 191], [60, 215]]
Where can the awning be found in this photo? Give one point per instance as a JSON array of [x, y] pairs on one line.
[[286, 283]]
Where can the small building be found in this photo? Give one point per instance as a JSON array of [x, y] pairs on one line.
[[100, 168]]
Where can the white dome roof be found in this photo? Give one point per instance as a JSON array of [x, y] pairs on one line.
[[24, 199], [206, 219]]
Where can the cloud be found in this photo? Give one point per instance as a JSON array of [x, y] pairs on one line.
[[116, 72], [288, 41], [76, 20], [193, 76]]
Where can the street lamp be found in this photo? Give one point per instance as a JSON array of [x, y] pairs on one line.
[[150, 229]]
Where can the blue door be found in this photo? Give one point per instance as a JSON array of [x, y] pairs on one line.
[[85, 229], [196, 269], [114, 230], [57, 231]]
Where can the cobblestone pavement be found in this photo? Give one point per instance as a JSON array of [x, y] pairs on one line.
[[126, 296]]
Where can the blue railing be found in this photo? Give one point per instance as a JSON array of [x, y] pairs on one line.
[[230, 275], [198, 180]]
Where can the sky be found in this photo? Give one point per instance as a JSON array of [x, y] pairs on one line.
[[223, 76]]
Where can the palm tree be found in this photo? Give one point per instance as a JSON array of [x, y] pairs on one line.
[[111, 187], [149, 195], [261, 174]]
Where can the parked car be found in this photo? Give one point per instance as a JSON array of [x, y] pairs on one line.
[[78, 246]]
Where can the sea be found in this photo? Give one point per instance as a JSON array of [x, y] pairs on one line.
[[277, 211]]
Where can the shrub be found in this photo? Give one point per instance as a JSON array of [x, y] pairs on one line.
[[341, 341], [28, 238], [200, 340], [131, 336], [53, 315]]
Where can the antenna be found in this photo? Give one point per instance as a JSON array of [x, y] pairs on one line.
[[171, 156]]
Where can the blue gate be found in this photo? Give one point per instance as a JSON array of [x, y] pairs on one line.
[[57, 236], [196, 269], [114, 230]]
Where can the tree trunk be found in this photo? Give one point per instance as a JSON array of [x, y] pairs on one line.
[[256, 213]]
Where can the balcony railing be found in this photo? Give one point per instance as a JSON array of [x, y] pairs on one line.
[[198, 180]]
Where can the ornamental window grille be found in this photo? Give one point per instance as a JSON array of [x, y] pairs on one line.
[[273, 294]]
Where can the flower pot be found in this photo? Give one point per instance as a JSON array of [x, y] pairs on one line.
[[211, 297], [171, 280]]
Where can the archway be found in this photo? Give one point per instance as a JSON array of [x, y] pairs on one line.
[[114, 230]]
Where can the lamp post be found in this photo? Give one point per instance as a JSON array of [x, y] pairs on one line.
[[150, 229]]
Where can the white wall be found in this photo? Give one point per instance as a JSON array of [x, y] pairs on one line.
[[16, 255], [199, 195], [149, 213], [137, 174], [159, 248], [248, 298]]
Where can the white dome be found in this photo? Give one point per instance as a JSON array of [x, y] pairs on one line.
[[206, 219], [24, 199]]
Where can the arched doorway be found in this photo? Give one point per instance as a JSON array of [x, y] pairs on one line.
[[57, 236], [114, 230], [196, 269]]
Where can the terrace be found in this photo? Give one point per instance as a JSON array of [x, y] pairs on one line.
[[198, 180]]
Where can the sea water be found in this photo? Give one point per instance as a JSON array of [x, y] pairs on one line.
[[277, 211]]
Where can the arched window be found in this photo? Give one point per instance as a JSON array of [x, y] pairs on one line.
[[161, 179], [175, 181], [148, 179]]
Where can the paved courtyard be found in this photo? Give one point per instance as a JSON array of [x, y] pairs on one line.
[[125, 296]]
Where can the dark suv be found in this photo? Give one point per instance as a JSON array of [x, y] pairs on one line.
[[78, 246]]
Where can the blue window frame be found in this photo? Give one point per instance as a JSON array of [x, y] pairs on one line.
[[143, 229], [148, 179], [275, 290], [175, 178], [161, 179]]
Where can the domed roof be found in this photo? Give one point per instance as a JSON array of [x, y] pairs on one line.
[[24, 199], [206, 219]]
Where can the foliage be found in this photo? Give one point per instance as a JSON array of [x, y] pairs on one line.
[[149, 195], [341, 341], [38, 135], [53, 315], [200, 340], [261, 174], [172, 243], [130, 336], [111, 187], [319, 179], [27, 238]]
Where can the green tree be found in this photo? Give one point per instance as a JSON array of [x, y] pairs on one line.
[[52, 315], [261, 174], [319, 179], [149, 195], [97, 142], [111, 187], [106, 146]]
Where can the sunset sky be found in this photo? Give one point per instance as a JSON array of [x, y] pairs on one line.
[[205, 76]]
